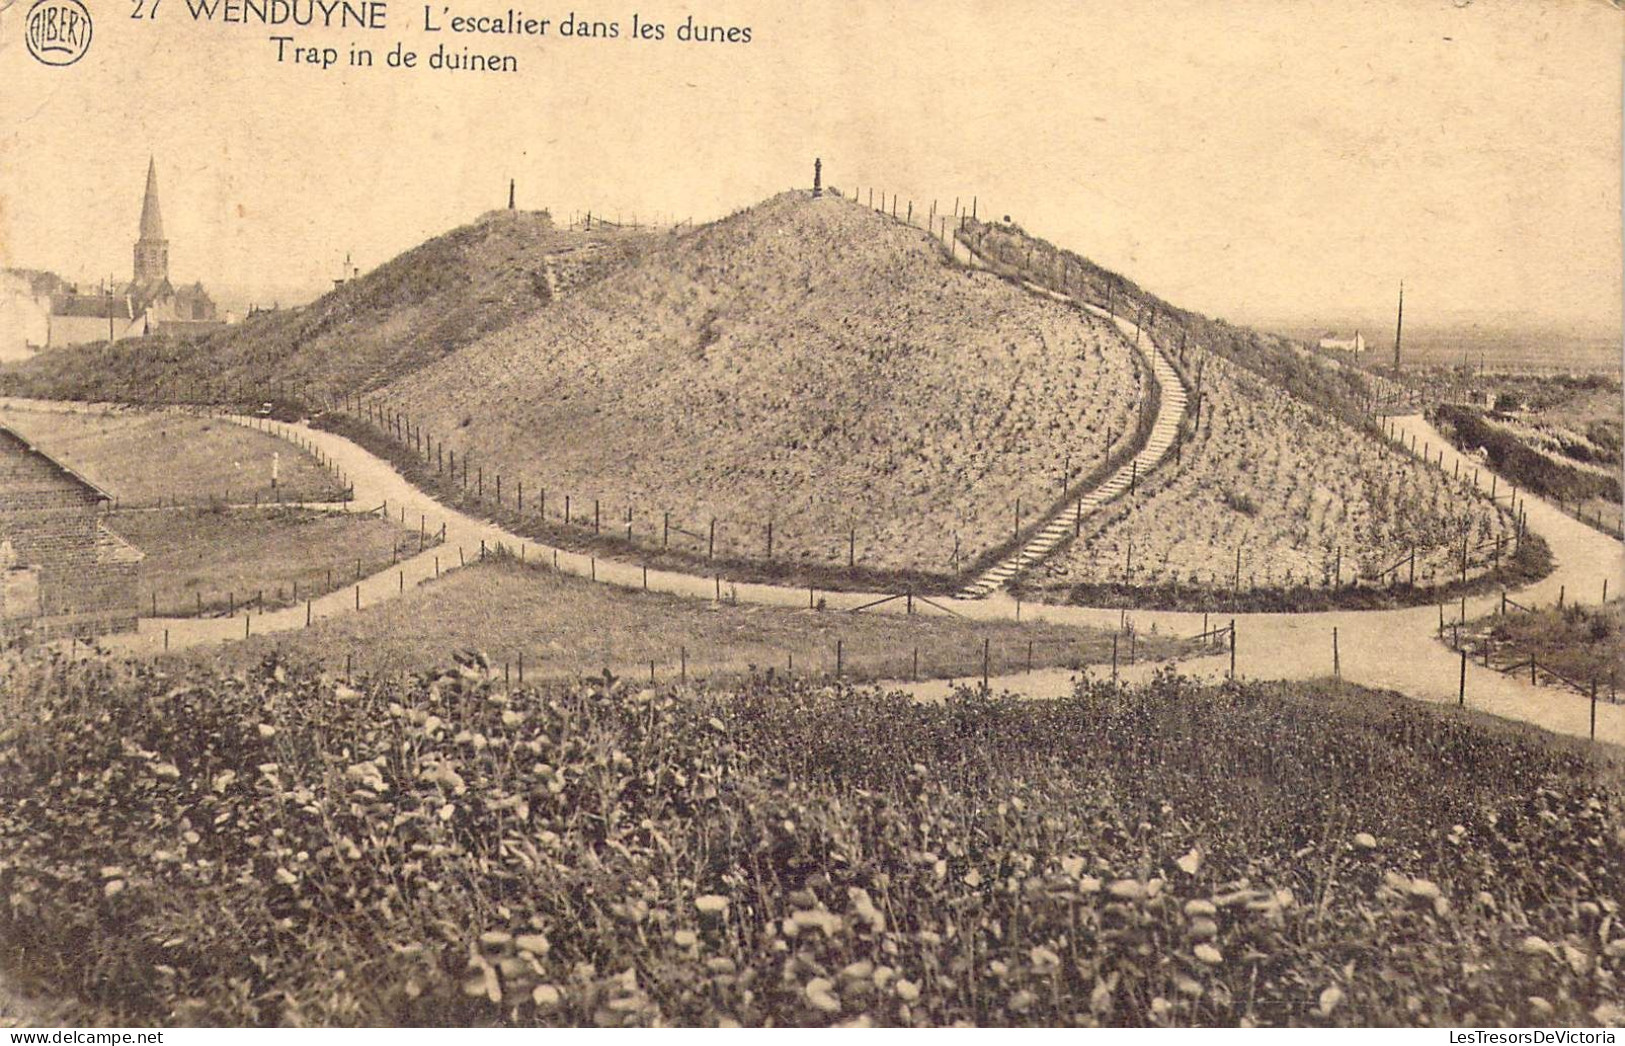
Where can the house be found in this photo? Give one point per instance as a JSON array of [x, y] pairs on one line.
[[1355, 344], [62, 572]]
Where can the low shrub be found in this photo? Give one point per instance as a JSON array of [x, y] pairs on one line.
[[277, 847]]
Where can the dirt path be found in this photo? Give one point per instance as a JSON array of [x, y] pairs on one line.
[[1396, 649]]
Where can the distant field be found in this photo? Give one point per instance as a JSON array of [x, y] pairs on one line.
[[564, 626], [213, 561], [807, 364], [146, 458], [1529, 349], [1524, 454], [1285, 487]]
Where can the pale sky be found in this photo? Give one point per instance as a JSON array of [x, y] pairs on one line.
[[1246, 158]]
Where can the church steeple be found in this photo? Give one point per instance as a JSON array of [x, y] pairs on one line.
[[151, 249]]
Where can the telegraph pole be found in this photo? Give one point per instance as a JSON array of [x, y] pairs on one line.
[[1399, 326]]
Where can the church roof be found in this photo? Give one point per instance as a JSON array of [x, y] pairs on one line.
[[91, 305], [152, 220]]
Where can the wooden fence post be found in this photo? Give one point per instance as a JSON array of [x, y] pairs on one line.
[[1337, 662], [1461, 685], [985, 656]]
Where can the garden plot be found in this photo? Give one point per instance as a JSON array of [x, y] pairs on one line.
[[203, 460], [205, 562], [807, 363], [1293, 493]]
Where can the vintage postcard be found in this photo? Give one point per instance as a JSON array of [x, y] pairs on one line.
[[741, 514]]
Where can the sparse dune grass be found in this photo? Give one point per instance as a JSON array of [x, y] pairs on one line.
[[807, 363], [426, 302], [1293, 491]]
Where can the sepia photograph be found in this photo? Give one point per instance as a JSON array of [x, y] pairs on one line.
[[893, 515]]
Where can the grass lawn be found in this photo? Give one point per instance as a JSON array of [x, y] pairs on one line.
[[147, 458], [209, 560], [564, 626]]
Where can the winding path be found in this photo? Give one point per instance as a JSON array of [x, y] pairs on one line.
[[1394, 649]]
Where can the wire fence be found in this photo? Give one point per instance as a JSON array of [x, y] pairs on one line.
[[984, 661], [307, 582], [856, 553], [1596, 681], [779, 547]]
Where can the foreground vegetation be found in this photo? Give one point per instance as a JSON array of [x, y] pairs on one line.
[[556, 625], [207, 561], [273, 846], [205, 461]]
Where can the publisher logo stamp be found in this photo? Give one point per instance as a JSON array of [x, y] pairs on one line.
[[58, 31]]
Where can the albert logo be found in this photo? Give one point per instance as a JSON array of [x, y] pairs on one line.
[[58, 31]]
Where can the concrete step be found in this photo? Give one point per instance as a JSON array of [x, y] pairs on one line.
[[1159, 442]]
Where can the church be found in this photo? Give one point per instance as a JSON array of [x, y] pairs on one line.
[[66, 314]]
